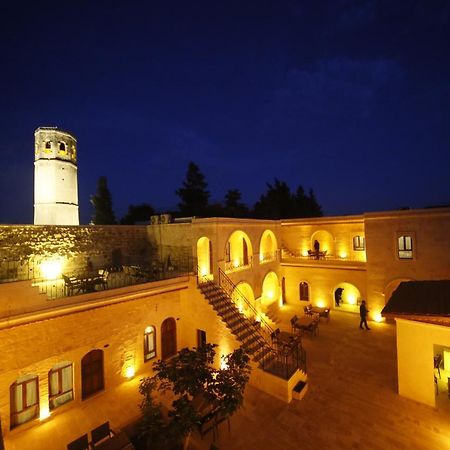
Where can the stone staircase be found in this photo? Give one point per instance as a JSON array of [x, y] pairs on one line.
[[247, 332]]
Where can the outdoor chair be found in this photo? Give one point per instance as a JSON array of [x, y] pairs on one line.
[[81, 443], [100, 433], [307, 310], [103, 278]]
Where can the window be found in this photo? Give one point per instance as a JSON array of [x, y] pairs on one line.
[[359, 243], [48, 145], [149, 343], [201, 338], [24, 400], [405, 249], [60, 384], [62, 147], [304, 291]]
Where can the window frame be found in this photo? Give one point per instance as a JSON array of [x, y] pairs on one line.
[[301, 287], [405, 251], [201, 338], [52, 398], [25, 407], [359, 243], [149, 354]]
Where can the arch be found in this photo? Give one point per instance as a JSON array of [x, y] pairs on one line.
[[304, 291], [392, 286], [268, 246], [204, 256], [92, 376], [243, 296], [168, 338], [238, 251], [270, 288], [325, 240], [350, 297]]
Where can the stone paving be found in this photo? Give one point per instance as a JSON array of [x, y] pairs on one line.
[[351, 403]]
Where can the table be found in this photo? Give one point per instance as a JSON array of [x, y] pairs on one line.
[[286, 338], [119, 441]]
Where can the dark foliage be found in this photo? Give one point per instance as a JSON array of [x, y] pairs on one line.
[[137, 213], [102, 202]]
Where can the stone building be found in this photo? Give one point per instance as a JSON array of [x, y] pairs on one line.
[[55, 177], [84, 309]]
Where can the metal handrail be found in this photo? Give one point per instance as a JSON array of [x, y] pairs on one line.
[[230, 288], [287, 254]]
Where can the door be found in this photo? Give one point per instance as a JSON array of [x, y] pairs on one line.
[[92, 379], [210, 258], [168, 338], [244, 252]]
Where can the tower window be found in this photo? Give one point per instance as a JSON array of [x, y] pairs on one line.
[[48, 145], [405, 247], [62, 146]]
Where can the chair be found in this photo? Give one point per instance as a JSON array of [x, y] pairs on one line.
[[100, 433], [103, 278], [307, 310], [81, 443]]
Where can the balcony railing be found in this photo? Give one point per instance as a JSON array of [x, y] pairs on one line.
[[238, 264], [321, 257]]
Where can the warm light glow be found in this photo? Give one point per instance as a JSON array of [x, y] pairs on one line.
[[203, 271], [44, 413], [223, 364], [148, 330], [236, 263], [270, 295], [343, 255], [305, 252], [130, 372], [51, 268], [378, 317], [321, 304], [351, 299]]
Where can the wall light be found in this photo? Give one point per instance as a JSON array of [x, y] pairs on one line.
[[343, 255], [351, 299], [51, 268], [378, 317], [321, 304], [44, 413], [130, 372]]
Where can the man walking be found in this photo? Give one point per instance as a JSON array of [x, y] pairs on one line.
[[363, 313]]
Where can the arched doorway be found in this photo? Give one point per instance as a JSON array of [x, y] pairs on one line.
[[92, 378], [204, 257], [244, 299], [270, 288], [267, 247], [324, 242], [347, 296], [168, 338], [238, 251]]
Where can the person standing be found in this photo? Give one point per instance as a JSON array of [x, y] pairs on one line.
[[363, 314]]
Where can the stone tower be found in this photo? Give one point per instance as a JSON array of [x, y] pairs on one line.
[[55, 177]]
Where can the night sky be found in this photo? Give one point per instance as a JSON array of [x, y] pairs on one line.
[[350, 98]]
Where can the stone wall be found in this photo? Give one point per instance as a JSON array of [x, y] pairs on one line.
[[24, 247]]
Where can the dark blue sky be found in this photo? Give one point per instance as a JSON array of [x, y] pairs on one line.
[[351, 98]]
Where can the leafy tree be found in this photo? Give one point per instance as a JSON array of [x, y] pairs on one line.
[[279, 203], [191, 375], [137, 213], [102, 202], [233, 206], [194, 194]]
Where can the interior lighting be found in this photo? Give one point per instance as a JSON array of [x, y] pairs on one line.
[[270, 294], [236, 263], [204, 271], [343, 255], [351, 299], [148, 330], [51, 268], [321, 304]]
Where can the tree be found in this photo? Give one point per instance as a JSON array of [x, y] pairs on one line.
[[279, 203], [137, 213], [190, 375], [102, 202], [233, 206], [194, 194]]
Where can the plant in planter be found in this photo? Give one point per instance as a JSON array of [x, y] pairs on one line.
[[195, 382]]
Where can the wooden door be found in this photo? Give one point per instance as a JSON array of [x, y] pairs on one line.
[[244, 252], [168, 338], [92, 379]]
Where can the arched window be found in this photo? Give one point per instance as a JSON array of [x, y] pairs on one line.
[[48, 145], [24, 394], [149, 343], [62, 147], [92, 373], [60, 384], [304, 291], [168, 338]]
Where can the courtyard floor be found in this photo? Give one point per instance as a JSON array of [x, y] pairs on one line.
[[351, 403]]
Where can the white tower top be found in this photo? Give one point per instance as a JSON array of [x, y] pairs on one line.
[[55, 177]]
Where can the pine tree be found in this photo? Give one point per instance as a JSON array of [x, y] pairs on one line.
[[102, 202], [194, 194]]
